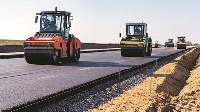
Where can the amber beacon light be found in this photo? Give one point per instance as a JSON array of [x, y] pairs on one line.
[[56, 8]]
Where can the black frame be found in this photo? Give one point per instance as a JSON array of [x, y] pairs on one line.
[[66, 18], [137, 24]]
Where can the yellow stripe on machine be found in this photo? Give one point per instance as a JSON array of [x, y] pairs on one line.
[[181, 43], [130, 42]]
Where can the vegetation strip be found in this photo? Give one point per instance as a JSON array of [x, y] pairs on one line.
[[154, 93], [42, 102]]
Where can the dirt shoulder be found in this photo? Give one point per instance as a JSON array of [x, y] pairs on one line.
[[156, 93], [189, 97]]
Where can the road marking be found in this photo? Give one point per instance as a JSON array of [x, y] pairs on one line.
[[18, 65], [86, 68], [47, 77], [122, 60]]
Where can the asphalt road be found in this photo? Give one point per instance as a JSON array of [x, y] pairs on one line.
[[21, 82]]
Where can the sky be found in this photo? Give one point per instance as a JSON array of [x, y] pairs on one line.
[[101, 21]]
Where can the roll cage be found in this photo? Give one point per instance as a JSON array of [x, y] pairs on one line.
[[136, 30], [54, 22]]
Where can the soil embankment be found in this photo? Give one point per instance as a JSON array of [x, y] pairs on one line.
[[189, 97], [160, 91]]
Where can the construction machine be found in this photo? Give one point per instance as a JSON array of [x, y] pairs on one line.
[[156, 44], [52, 43], [170, 43], [136, 42], [181, 43]]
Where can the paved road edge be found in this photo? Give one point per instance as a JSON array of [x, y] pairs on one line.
[[21, 54]]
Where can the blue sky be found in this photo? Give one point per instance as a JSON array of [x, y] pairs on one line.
[[101, 21]]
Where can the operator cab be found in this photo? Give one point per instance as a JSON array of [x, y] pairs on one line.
[[181, 39], [170, 40], [54, 22], [138, 30]]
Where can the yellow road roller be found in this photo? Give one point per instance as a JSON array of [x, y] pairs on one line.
[[181, 43], [136, 42]]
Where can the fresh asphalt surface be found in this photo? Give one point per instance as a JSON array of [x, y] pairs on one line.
[[21, 82]]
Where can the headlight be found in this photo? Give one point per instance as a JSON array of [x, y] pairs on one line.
[[50, 44], [28, 44]]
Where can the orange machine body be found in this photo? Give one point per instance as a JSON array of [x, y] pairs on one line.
[[170, 43], [53, 42]]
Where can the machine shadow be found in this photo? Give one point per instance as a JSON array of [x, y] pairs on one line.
[[153, 56], [94, 64]]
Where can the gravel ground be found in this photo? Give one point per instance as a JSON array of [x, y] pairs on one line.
[[98, 95]]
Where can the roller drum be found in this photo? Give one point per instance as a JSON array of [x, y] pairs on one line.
[[40, 56]]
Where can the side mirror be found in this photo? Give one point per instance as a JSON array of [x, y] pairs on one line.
[[120, 35], [36, 19], [71, 18]]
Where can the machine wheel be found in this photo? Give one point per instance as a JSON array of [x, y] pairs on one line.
[[123, 53], [148, 54], [28, 59], [76, 55], [149, 51], [143, 53], [55, 57]]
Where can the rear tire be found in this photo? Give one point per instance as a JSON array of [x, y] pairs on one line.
[[76, 55], [149, 51], [148, 54], [55, 57]]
